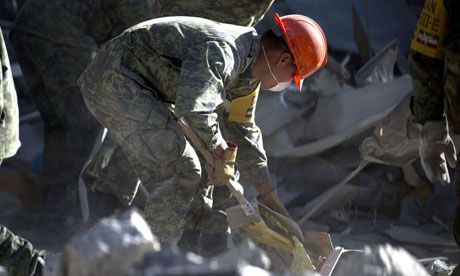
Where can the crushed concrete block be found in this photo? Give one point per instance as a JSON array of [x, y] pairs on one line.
[[111, 247]]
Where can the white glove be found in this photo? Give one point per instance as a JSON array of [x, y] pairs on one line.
[[395, 139], [435, 148]]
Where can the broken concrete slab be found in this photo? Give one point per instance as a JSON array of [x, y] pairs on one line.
[[110, 247], [339, 117]]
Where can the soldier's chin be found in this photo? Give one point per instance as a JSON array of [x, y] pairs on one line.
[[266, 87]]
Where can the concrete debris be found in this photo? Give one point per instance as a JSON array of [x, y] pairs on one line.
[[440, 268], [110, 247], [412, 235], [245, 259], [384, 260], [379, 69], [334, 120]]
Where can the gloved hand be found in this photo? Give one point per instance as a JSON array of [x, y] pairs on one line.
[[272, 201], [435, 148], [224, 166], [395, 139]]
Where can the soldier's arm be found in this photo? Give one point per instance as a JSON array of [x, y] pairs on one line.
[[251, 158], [18, 255], [427, 80], [205, 71]]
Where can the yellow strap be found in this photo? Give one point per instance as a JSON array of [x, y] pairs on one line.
[[431, 29], [243, 109]]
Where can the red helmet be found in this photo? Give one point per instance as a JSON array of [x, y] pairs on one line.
[[307, 43]]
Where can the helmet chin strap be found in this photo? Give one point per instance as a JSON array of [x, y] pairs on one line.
[[279, 86], [268, 64]]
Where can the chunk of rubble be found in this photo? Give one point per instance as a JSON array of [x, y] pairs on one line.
[[111, 247], [440, 268], [246, 259], [380, 260]]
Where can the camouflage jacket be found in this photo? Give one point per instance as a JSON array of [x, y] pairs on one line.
[[81, 22], [9, 114], [242, 12], [427, 72], [197, 64]]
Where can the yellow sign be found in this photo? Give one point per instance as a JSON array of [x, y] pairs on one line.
[[242, 109], [431, 29]]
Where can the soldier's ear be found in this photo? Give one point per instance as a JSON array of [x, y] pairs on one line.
[[285, 59]]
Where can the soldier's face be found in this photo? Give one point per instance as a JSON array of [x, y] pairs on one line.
[[281, 70]]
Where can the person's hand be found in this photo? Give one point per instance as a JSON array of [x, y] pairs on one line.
[[273, 201], [395, 139], [436, 150], [219, 151], [224, 164]]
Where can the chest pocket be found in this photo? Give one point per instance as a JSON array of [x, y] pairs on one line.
[[243, 109]]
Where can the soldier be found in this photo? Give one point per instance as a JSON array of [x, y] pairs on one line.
[[54, 41], [435, 70], [188, 67], [116, 177], [115, 185], [16, 254]]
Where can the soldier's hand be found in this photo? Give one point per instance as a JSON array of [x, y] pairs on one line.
[[436, 151], [224, 164], [273, 201]]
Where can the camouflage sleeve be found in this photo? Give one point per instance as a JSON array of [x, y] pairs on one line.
[[205, 72], [17, 254], [251, 157], [427, 80]]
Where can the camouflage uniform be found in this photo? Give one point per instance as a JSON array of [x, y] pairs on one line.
[[437, 78], [9, 114], [18, 255], [54, 41], [191, 65], [243, 13], [116, 179]]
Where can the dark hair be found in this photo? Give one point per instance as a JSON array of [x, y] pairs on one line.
[[271, 40]]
